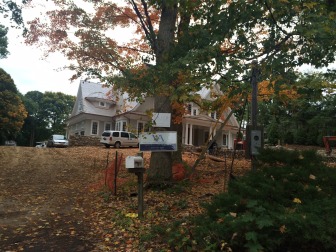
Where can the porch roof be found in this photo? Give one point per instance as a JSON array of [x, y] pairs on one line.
[[133, 115]]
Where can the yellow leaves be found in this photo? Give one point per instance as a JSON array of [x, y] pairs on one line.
[[233, 214], [297, 201], [282, 229], [310, 5], [131, 215], [266, 90], [311, 176]]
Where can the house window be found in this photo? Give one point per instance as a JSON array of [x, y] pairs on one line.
[[82, 133], [121, 125], [195, 112], [107, 126], [140, 127], [213, 115], [94, 128], [102, 104], [225, 139], [189, 109]]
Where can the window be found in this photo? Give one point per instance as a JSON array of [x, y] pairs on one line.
[[94, 128], [225, 139], [133, 136], [115, 134], [82, 133], [195, 112], [107, 126], [121, 125], [124, 126], [102, 104], [213, 115], [124, 134], [140, 127], [189, 109]]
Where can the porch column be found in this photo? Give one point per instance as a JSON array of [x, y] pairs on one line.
[[191, 135], [230, 140], [186, 134], [183, 134]]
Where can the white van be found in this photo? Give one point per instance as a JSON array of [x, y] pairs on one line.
[[119, 139]]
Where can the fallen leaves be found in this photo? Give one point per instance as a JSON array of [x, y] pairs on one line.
[[53, 195]]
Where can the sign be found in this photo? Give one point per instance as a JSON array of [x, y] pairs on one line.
[[158, 141], [255, 141], [161, 119]]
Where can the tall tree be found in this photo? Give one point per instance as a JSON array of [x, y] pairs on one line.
[[180, 47], [35, 127], [55, 109], [47, 113], [12, 110]]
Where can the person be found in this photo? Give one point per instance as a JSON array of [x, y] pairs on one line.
[[213, 147]]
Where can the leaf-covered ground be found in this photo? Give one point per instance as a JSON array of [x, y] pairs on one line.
[[59, 200]]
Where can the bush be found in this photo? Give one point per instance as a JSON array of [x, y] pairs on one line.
[[280, 207]]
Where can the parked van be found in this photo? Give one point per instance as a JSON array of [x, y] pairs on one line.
[[119, 139]]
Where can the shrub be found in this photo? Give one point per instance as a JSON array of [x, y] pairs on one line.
[[280, 207]]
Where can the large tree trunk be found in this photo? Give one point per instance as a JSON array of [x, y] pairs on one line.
[[160, 169]]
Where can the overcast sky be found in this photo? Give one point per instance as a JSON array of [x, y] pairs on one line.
[[30, 72], [26, 66]]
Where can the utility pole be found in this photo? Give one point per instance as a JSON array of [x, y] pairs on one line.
[[254, 83], [255, 133]]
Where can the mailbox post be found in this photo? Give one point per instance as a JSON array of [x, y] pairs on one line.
[[134, 164]]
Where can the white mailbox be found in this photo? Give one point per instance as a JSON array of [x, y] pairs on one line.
[[134, 162]]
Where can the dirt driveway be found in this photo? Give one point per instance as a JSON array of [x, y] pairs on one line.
[[45, 203]]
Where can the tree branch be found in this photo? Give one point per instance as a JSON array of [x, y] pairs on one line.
[[143, 24]]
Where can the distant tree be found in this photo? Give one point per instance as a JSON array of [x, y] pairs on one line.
[[35, 128], [47, 113], [12, 109], [55, 109], [304, 119]]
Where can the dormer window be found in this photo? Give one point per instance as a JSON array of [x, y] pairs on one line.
[[213, 115], [189, 108], [102, 104]]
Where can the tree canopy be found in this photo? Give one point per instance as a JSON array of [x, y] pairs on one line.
[[12, 109], [47, 113]]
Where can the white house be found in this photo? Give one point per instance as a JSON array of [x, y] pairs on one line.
[[96, 110], [93, 110]]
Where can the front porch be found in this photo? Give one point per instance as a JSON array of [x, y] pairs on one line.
[[197, 131]]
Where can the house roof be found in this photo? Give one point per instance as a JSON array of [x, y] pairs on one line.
[[90, 92]]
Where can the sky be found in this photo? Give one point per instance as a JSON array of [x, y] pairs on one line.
[[25, 64], [32, 73]]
